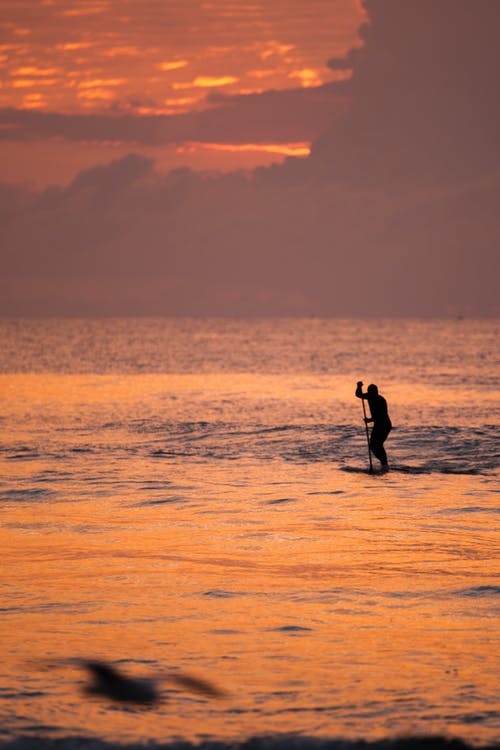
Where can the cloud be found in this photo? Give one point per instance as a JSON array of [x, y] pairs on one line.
[[424, 94], [116, 176], [394, 213], [123, 239], [153, 45], [212, 81], [172, 65], [273, 116]]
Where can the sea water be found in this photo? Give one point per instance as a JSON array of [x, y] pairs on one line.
[[192, 496]]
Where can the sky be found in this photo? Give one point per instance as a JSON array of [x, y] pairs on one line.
[[122, 74], [235, 157]]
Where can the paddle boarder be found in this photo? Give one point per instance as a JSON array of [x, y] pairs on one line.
[[381, 422]]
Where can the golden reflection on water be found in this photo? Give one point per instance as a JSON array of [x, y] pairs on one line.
[[314, 597]]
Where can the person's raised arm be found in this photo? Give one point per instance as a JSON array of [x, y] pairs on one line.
[[359, 390], [360, 394]]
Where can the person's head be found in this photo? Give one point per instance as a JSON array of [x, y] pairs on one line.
[[372, 390]]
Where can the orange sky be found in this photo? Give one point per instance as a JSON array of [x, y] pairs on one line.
[[391, 207], [147, 58]]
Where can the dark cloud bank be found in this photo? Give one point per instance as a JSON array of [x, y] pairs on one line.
[[292, 742], [272, 116], [394, 213]]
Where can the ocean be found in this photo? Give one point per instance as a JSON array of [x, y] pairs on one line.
[[192, 497]]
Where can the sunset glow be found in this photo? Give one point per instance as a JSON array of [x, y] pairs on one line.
[[321, 125], [145, 59], [219, 44], [290, 149]]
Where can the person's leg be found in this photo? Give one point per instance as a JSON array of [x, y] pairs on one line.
[[378, 450], [382, 455], [377, 444]]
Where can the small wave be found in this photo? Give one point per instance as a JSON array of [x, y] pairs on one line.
[[281, 500], [479, 718], [435, 450], [291, 629], [277, 428], [152, 487], [171, 428], [6, 694], [25, 496], [468, 509], [47, 607], [162, 501], [479, 591], [23, 455], [221, 594], [328, 492], [225, 631]]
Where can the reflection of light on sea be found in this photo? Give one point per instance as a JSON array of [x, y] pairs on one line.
[[160, 509]]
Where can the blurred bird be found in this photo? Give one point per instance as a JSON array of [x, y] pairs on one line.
[[108, 682]]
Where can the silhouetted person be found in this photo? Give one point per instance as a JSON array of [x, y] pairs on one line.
[[381, 422]]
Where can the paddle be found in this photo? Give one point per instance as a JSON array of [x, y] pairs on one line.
[[367, 435]]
